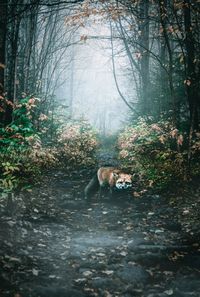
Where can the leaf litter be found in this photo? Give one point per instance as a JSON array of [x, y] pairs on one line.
[[124, 239]]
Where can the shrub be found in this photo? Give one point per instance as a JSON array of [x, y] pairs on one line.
[[21, 165], [77, 144], [158, 152], [22, 155]]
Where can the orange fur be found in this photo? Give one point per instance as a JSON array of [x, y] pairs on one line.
[[111, 177], [107, 175]]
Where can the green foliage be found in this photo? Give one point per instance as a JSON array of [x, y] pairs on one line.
[[23, 167], [21, 128], [9, 181], [22, 155], [158, 152], [77, 144]]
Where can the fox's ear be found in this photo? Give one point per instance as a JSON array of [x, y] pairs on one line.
[[115, 174], [135, 176]]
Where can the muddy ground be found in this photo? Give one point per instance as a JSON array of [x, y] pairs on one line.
[[54, 243]]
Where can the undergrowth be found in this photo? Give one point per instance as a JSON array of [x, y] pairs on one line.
[[25, 155], [158, 153]]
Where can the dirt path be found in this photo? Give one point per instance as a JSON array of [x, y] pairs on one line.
[[56, 244]]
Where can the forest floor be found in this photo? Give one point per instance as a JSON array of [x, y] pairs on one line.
[[54, 243]]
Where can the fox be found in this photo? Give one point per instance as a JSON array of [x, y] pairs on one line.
[[108, 176]]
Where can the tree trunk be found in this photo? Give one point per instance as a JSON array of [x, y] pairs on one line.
[[71, 86], [12, 49], [191, 79], [163, 6], [144, 41], [28, 29], [3, 26]]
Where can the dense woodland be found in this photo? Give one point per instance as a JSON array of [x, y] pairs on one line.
[[134, 66], [160, 41]]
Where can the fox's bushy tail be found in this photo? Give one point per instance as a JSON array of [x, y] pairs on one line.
[[92, 187]]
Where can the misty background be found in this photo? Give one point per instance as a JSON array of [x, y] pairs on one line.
[[89, 86]]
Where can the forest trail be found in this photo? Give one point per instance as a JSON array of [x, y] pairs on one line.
[[54, 243], [68, 69]]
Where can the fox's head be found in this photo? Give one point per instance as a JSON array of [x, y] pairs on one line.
[[123, 181]]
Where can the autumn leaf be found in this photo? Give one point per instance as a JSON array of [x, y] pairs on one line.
[[136, 194], [156, 127], [180, 140], [10, 103], [151, 183], [43, 117], [169, 292], [87, 273], [162, 139], [174, 133], [2, 65], [187, 82]]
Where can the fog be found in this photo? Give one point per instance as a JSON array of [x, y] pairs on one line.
[[90, 88]]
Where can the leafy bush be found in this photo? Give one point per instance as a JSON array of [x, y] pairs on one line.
[[158, 152], [77, 144], [22, 155], [23, 167]]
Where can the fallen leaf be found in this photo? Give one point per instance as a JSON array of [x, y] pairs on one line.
[[87, 273], [108, 272], [159, 231], [186, 211], [80, 280], [101, 254], [169, 292], [124, 254], [13, 259], [107, 294], [151, 213], [136, 194], [35, 272]]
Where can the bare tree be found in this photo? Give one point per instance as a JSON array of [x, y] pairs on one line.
[[3, 27]]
